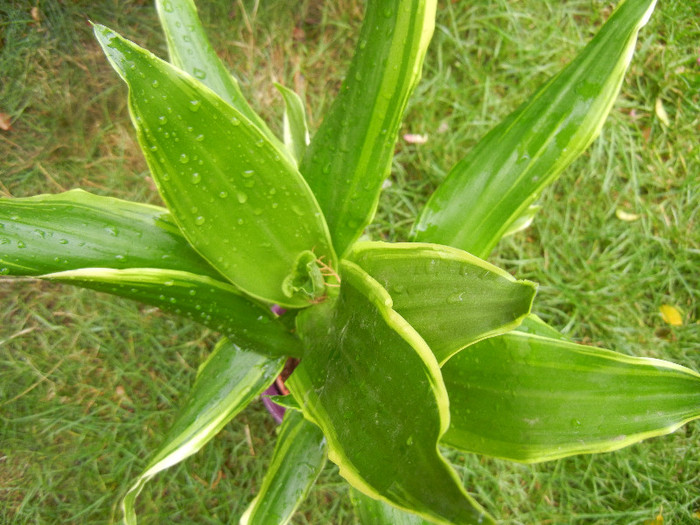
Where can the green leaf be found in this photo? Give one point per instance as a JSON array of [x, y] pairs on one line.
[[75, 229], [350, 155], [450, 297], [296, 131], [374, 512], [215, 304], [496, 182], [190, 50], [241, 204], [374, 387], [298, 459], [229, 380], [529, 398]]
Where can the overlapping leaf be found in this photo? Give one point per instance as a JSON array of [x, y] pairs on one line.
[[298, 459], [496, 182], [239, 200], [450, 297], [75, 229], [226, 383], [350, 155], [374, 387], [530, 398], [213, 303]]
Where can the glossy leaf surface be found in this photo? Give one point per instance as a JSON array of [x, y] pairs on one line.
[[237, 199], [496, 182], [190, 50], [229, 380], [215, 304], [374, 387], [298, 459], [450, 297], [374, 512], [529, 398], [76, 229], [296, 131], [350, 155]]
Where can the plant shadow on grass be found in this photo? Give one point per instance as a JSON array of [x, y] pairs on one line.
[[88, 383]]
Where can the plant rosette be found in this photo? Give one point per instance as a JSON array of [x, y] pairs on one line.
[[403, 347]]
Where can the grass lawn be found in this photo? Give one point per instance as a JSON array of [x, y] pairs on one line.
[[89, 382]]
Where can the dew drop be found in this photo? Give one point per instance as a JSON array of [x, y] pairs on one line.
[[235, 121], [162, 119], [195, 105], [242, 197], [20, 244], [4, 271], [155, 84], [201, 75], [184, 158], [223, 194], [119, 257], [199, 138], [196, 178], [168, 6], [248, 173], [193, 292], [199, 220], [63, 241]]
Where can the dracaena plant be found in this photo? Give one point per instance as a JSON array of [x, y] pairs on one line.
[[403, 347]]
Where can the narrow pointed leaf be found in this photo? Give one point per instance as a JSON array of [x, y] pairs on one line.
[[375, 512], [450, 297], [230, 379], [241, 204], [75, 229], [215, 304], [296, 131], [190, 50], [298, 459], [497, 181], [529, 398], [350, 155], [374, 387]]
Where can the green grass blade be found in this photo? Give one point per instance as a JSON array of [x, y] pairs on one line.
[[215, 304], [239, 201], [529, 398], [75, 229], [296, 131], [298, 459], [375, 512], [350, 155], [450, 297], [229, 380], [190, 50], [496, 182], [374, 387]]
